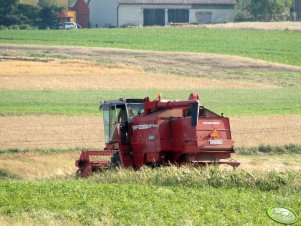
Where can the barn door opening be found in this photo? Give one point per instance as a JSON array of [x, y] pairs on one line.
[[178, 15], [152, 17]]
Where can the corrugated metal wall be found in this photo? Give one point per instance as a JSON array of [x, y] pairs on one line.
[[103, 13], [298, 8]]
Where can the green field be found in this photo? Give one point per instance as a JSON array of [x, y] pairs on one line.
[[161, 196], [86, 102], [168, 196], [276, 46]]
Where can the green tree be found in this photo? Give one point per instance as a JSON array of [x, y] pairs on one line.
[[241, 12], [48, 16], [280, 7], [8, 12], [14, 13], [29, 14], [268, 10], [43, 16]]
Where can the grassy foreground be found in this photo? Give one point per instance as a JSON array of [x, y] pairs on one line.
[[86, 102], [277, 46], [168, 196]]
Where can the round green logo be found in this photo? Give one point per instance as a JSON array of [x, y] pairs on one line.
[[282, 215]]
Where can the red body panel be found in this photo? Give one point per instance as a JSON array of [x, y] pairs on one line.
[[169, 133]]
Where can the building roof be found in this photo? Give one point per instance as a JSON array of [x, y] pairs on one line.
[[206, 2], [63, 15], [79, 5]]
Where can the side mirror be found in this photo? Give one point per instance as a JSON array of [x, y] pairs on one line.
[[194, 111], [101, 105]]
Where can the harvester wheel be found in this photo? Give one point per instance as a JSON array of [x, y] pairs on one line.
[[115, 161]]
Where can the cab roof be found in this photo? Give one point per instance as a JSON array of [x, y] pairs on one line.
[[121, 101]]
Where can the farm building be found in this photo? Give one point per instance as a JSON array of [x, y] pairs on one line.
[[297, 7], [81, 10], [116, 13]]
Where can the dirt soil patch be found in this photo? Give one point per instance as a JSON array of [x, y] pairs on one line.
[[81, 131], [80, 74], [211, 66], [266, 130]]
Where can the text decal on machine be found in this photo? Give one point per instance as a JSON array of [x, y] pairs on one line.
[[211, 123], [145, 126]]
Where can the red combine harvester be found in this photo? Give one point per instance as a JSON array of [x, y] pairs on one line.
[[142, 132]]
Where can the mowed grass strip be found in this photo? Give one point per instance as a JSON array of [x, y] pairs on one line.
[[276, 46], [86, 102], [151, 197]]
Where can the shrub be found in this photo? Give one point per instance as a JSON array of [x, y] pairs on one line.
[[26, 27], [5, 174], [2, 27]]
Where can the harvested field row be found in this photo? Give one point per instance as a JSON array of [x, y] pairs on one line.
[[263, 163], [77, 74], [150, 60], [51, 132], [32, 165], [210, 66], [35, 165], [285, 25], [80, 131], [268, 130]]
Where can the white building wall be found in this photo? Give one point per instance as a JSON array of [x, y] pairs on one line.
[[130, 14], [133, 14], [218, 15], [103, 13]]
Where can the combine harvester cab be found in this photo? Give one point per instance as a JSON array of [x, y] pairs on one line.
[[157, 133]]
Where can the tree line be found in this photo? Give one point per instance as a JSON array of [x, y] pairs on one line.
[[42, 16], [265, 10]]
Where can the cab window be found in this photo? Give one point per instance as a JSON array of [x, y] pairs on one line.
[[134, 109]]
